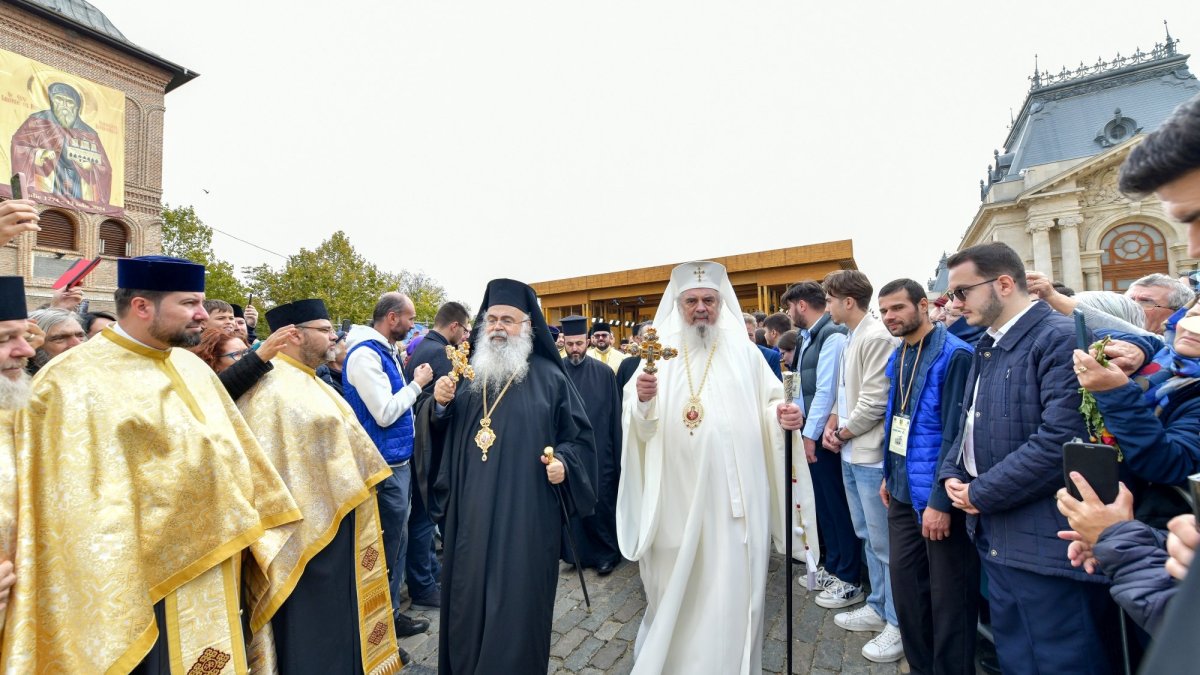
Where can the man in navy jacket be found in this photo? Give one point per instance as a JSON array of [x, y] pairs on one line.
[[1021, 405]]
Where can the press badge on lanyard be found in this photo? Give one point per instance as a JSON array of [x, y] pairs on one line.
[[898, 443]]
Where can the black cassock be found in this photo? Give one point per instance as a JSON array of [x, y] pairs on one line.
[[595, 536], [501, 519]]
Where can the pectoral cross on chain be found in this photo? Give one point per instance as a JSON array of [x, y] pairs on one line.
[[651, 350], [460, 364]]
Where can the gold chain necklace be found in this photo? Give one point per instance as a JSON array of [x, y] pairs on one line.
[[485, 437], [693, 412]]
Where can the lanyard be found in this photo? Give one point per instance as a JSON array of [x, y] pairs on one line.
[[905, 394]]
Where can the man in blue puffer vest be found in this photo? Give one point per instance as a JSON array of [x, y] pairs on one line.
[[935, 570], [375, 388]]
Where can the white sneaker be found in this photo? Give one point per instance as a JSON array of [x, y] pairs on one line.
[[885, 647], [862, 619], [839, 594]]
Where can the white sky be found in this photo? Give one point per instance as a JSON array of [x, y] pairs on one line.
[[540, 140]]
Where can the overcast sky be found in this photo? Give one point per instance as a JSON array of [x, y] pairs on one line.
[[540, 140]]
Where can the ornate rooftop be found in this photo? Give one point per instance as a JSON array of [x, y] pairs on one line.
[[1080, 112]]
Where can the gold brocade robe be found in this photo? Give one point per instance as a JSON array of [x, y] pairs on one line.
[[331, 466], [135, 476], [8, 496], [611, 358]]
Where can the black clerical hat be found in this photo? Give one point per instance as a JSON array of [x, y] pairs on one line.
[[508, 292], [160, 273], [574, 325], [238, 312], [555, 332], [298, 312], [601, 327], [12, 299]]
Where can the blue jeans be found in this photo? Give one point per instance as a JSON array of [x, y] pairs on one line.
[[422, 565], [870, 524], [394, 495]]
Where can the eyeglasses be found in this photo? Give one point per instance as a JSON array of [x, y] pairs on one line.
[[235, 356], [960, 293], [328, 330], [1147, 303], [81, 336], [506, 321]]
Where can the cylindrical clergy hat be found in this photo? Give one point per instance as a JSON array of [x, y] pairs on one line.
[[298, 312], [574, 325], [554, 331], [160, 273], [601, 327], [698, 274], [238, 312], [508, 292], [12, 299]]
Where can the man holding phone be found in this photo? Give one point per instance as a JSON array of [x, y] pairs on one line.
[[1021, 405]]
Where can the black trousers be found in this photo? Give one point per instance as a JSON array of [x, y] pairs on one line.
[[935, 587]]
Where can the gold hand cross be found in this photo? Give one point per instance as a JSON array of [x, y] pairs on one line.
[[650, 350], [459, 361]]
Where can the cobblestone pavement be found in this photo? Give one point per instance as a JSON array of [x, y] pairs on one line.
[[602, 642]]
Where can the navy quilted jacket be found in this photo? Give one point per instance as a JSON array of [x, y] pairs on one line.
[[1027, 407], [1133, 555]]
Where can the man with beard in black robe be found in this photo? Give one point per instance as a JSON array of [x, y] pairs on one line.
[[596, 535], [499, 499]]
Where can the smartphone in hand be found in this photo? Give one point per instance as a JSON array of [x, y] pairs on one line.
[[1098, 465]]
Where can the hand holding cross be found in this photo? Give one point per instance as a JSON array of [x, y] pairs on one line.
[[650, 350]]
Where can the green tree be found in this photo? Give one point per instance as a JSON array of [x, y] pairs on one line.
[[339, 275], [186, 236]]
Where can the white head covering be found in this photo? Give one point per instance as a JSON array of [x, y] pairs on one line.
[[698, 274]]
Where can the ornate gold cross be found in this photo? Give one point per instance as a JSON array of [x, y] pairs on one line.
[[650, 350], [460, 363]]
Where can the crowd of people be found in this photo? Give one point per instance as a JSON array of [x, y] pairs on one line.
[[180, 495]]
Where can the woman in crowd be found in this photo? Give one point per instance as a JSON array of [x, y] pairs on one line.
[[220, 349]]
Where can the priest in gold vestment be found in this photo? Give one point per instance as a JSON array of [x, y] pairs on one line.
[[603, 348], [323, 605], [139, 490], [15, 353]]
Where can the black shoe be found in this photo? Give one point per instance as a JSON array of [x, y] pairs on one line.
[[605, 568], [406, 625], [431, 600], [405, 658]]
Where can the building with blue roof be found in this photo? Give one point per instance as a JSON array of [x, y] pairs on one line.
[[1052, 192]]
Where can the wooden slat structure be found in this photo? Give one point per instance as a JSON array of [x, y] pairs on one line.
[[628, 297]]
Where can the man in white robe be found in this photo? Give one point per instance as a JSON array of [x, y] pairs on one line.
[[701, 495]]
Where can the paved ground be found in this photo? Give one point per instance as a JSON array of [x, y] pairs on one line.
[[602, 642]]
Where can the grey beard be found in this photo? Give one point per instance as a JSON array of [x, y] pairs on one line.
[[576, 359], [699, 336], [495, 363], [14, 394]]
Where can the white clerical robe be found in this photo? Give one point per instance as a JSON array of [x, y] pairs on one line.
[[700, 509]]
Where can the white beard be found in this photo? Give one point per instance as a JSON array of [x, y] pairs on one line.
[[14, 394], [495, 362], [699, 337]]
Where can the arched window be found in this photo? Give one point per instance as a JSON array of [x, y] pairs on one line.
[[1130, 252], [114, 239], [58, 230]]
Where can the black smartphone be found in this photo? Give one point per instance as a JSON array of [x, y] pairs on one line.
[[346, 323], [1194, 484], [1098, 465], [15, 184], [250, 300], [1081, 331]]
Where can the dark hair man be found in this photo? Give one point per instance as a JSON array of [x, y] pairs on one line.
[[173, 498], [602, 346], [1167, 163], [771, 356], [450, 328], [856, 433], [596, 535], [220, 315], [1022, 404], [816, 361], [374, 384], [332, 468], [934, 567], [776, 325]]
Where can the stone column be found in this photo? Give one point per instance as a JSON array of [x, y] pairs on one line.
[[1068, 232], [1039, 230]]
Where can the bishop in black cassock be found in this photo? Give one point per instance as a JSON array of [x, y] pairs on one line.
[[596, 535], [501, 516]]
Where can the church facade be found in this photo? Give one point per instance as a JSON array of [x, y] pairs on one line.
[[71, 43], [1052, 194]]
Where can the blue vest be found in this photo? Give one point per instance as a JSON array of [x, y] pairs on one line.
[[395, 442], [925, 426]]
